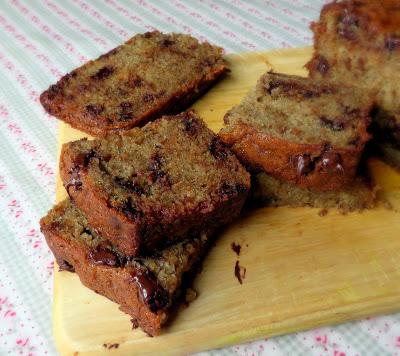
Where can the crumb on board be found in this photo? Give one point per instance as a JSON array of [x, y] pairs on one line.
[[323, 212], [240, 272], [236, 248], [110, 346]]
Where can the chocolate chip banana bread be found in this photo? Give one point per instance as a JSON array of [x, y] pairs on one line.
[[150, 75], [143, 187], [146, 288], [299, 130], [358, 42], [269, 191]]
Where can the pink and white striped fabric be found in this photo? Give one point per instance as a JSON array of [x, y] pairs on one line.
[[40, 40]]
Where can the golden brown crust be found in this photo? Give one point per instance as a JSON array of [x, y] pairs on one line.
[[308, 166], [119, 97]]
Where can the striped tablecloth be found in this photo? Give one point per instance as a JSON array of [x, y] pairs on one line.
[[42, 39]]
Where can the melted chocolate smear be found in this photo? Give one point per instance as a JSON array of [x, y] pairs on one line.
[[240, 272], [65, 266], [130, 186], [323, 65], [218, 149], [75, 179], [236, 248], [103, 256], [103, 73], [331, 124], [304, 164], [150, 292]]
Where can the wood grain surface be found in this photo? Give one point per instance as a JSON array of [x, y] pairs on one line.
[[302, 270]]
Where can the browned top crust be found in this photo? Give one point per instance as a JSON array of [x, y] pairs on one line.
[[149, 185], [150, 75], [375, 22], [299, 130]]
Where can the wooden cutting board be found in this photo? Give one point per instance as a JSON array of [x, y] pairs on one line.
[[302, 270]]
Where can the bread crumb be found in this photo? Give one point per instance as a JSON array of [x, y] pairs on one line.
[[323, 212]]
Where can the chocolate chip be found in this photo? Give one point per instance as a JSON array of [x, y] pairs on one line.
[[53, 91], [148, 97], [167, 43], [126, 105], [130, 210], [322, 65], [150, 292], [123, 116], [94, 109], [83, 159], [332, 161], [137, 82], [228, 189], [331, 124], [75, 179], [103, 256], [130, 186], [157, 173], [218, 149], [191, 125], [148, 34], [348, 22], [304, 164], [64, 266], [103, 73], [392, 43], [273, 84]]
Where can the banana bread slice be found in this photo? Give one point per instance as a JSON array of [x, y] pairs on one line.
[[358, 42], [301, 131], [269, 191], [147, 185], [150, 75], [146, 288]]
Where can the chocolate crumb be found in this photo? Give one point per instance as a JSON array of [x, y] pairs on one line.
[[217, 149], [110, 346], [135, 323], [65, 266], [323, 65], [240, 272], [323, 212], [236, 248], [190, 296], [103, 73], [388, 205]]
